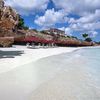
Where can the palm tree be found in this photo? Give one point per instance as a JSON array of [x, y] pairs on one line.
[[85, 35]]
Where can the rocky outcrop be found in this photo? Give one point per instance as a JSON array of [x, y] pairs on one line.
[[8, 21], [8, 18], [6, 41], [1, 4]]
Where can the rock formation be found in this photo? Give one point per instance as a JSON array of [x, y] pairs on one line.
[[1, 4], [8, 20]]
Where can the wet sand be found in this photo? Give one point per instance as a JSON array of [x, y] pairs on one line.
[[72, 81]]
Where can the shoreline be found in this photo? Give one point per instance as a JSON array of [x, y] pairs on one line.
[[17, 56], [49, 77]]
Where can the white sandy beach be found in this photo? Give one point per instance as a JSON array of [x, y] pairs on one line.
[[24, 75], [19, 74], [19, 55]]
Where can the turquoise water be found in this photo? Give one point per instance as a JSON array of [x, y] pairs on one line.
[[69, 76], [76, 76]]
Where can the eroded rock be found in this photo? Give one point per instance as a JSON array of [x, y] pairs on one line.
[[9, 20]]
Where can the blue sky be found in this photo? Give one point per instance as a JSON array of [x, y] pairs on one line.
[[73, 16]]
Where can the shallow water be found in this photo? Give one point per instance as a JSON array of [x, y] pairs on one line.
[[71, 76]]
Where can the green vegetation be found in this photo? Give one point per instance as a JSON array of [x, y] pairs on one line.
[[35, 30], [98, 42], [86, 37], [44, 32], [68, 36], [21, 24], [74, 37]]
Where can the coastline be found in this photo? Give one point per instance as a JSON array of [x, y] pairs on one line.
[[16, 56], [77, 78]]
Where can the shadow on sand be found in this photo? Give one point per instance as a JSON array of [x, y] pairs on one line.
[[10, 54]]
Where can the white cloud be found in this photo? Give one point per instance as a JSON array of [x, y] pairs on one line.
[[67, 30], [89, 22], [27, 7], [87, 10], [50, 18], [93, 34], [81, 7], [90, 18], [85, 26]]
